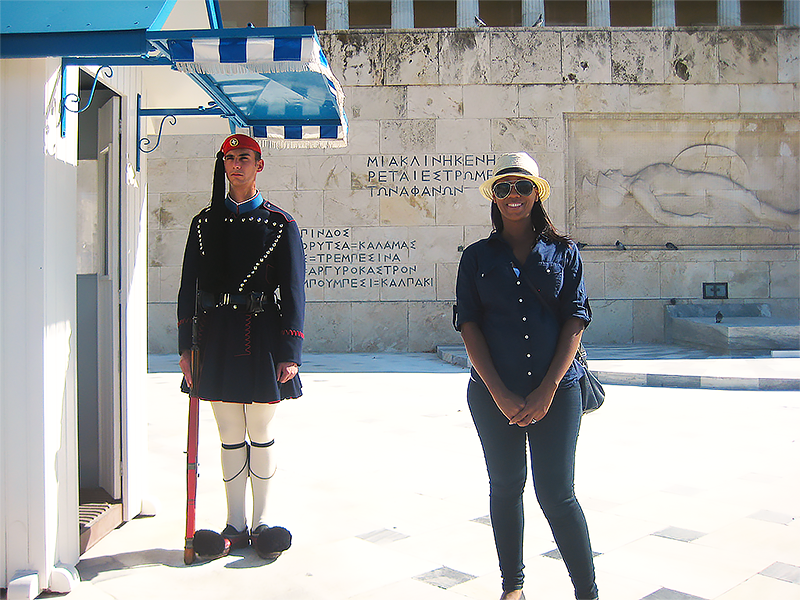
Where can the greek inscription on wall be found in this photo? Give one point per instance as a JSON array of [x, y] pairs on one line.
[[426, 175], [337, 261]]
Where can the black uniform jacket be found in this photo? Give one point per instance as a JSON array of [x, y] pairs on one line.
[[239, 348]]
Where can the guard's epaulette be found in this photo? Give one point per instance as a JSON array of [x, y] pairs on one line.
[[278, 211]]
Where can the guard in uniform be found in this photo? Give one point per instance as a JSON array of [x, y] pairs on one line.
[[244, 276]]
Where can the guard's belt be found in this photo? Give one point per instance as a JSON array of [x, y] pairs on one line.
[[253, 302]]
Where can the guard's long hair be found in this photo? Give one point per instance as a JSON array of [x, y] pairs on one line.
[[215, 235], [540, 223]]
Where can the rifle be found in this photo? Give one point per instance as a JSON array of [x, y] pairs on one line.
[[192, 440]]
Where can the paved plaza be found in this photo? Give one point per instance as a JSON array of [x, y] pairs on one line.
[[690, 492]]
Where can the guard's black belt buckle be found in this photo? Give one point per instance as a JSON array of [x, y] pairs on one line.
[[254, 302]]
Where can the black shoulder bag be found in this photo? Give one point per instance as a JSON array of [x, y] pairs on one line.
[[592, 391]]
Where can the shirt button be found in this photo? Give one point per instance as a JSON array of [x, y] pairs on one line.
[[529, 373], [520, 299], [524, 318], [526, 336], [518, 282], [528, 355]]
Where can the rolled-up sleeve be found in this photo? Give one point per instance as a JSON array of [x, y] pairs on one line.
[[572, 299], [468, 305]]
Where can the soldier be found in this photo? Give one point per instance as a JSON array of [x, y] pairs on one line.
[[244, 276]]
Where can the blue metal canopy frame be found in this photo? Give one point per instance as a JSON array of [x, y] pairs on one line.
[[276, 82], [143, 144], [41, 28]]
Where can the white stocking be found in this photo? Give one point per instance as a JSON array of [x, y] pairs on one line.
[[262, 457], [231, 423]]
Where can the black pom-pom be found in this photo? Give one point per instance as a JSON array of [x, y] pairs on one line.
[[209, 544], [271, 542]]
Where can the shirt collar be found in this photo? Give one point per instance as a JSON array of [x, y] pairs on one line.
[[495, 236], [246, 206]]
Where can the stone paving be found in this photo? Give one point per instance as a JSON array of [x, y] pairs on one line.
[[689, 494]]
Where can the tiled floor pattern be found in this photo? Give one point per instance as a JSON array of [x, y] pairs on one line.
[[688, 494], [444, 577]]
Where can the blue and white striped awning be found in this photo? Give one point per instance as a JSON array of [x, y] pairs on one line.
[[274, 81]]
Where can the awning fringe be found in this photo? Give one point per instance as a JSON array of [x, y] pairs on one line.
[[250, 68], [300, 144]]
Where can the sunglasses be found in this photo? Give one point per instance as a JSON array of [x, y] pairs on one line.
[[502, 189]]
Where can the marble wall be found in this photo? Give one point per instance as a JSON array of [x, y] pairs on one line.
[[647, 136]]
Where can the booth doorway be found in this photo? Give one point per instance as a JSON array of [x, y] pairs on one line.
[[100, 417]]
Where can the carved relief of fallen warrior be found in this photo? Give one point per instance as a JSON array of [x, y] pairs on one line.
[[679, 197]]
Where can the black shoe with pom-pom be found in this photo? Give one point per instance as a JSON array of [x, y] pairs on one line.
[[270, 542]]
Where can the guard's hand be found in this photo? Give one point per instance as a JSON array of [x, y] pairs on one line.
[[186, 366], [286, 371]]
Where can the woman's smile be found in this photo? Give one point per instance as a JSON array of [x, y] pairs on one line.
[[515, 207]]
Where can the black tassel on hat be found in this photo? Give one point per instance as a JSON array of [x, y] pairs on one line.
[[215, 235]]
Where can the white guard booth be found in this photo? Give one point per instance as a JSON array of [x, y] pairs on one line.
[[73, 242]]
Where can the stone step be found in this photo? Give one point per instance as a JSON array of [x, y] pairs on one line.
[[731, 328], [734, 334]]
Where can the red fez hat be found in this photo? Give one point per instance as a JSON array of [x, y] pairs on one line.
[[239, 141]]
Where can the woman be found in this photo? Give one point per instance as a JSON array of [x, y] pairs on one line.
[[524, 382], [241, 250]]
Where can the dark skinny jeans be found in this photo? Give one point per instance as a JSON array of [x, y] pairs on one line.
[[552, 443]]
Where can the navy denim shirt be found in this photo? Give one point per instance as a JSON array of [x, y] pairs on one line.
[[521, 333]]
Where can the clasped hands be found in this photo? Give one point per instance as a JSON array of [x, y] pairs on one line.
[[524, 411]]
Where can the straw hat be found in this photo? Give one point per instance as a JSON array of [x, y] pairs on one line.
[[520, 164]]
